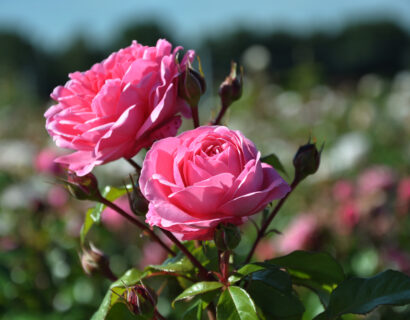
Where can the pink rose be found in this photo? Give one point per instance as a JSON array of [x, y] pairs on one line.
[[205, 177], [119, 106]]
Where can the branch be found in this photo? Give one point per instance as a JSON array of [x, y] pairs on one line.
[[135, 221], [266, 224]]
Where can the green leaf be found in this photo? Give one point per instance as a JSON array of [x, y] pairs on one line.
[[244, 271], [194, 312], [362, 295], [130, 278], [179, 264], [315, 266], [235, 304], [275, 304], [274, 161], [274, 277], [198, 288], [93, 215]]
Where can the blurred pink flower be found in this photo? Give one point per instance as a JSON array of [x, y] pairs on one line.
[[57, 196], [299, 234], [112, 219], [403, 190], [342, 190], [265, 250], [44, 162], [375, 179], [348, 214], [152, 253]]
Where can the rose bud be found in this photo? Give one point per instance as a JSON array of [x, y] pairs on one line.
[[83, 188], [191, 85], [94, 261], [306, 161], [227, 237], [138, 204], [141, 301], [231, 89]]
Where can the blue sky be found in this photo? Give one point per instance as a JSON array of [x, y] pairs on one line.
[[53, 23]]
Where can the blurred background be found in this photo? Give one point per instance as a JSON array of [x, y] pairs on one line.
[[338, 72]]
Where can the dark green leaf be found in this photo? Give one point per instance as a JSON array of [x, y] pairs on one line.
[[274, 161], [244, 271], [361, 295], [274, 303], [198, 288], [194, 312], [131, 277], [316, 266], [93, 215], [235, 304], [274, 277]]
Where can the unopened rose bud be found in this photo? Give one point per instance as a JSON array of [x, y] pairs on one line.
[[94, 261], [191, 86], [141, 301], [227, 237], [83, 188], [306, 161], [231, 89], [138, 204]]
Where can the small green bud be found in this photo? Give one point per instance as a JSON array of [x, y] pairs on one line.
[[306, 161], [138, 204], [191, 85], [227, 236], [82, 188], [231, 89]]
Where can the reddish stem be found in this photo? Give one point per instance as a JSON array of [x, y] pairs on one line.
[[221, 113], [135, 221], [266, 224]]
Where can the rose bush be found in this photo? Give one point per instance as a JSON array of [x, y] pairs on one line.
[[119, 106], [204, 177]]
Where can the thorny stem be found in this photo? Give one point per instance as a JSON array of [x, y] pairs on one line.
[[266, 224], [203, 273], [221, 113], [138, 223], [195, 116]]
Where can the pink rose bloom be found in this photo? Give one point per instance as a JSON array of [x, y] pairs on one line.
[[299, 234], [375, 179], [205, 177], [119, 106]]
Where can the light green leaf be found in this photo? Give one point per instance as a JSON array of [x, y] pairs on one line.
[[362, 295], [274, 161], [235, 304], [179, 263], [198, 288], [244, 271]]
